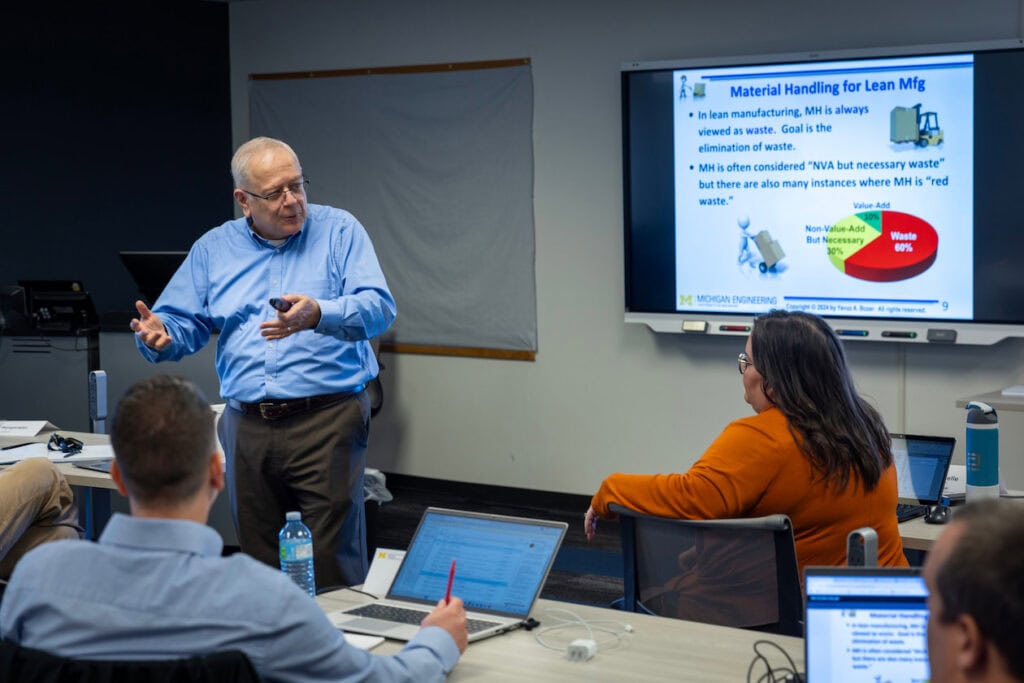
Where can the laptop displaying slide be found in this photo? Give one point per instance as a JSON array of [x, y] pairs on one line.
[[866, 624], [501, 564], [921, 466]]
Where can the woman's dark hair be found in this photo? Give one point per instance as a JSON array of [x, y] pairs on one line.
[[805, 375]]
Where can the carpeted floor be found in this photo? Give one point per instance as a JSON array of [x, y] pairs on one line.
[[586, 573]]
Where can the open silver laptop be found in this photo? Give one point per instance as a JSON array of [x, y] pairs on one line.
[[866, 624], [501, 564], [921, 466]]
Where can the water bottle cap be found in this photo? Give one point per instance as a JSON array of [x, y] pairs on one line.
[[293, 516], [979, 413]]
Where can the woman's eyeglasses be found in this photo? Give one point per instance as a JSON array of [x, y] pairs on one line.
[[65, 444], [742, 361]]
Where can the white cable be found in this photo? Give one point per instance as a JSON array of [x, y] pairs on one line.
[[566, 619]]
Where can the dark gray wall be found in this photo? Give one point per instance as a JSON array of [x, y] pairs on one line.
[[115, 127]]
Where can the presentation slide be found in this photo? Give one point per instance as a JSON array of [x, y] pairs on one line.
[[841, 188], [916, 477], [870, 645]]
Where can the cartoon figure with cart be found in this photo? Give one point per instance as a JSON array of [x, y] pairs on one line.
[[760, 250]]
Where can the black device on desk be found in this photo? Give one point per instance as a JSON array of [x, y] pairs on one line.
[[58, 307], [13, 312], [939, 514]]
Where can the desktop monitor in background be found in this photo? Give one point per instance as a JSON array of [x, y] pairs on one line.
[[152, 270], [866, 624]]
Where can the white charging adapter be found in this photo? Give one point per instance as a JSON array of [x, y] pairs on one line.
[[581, 649]]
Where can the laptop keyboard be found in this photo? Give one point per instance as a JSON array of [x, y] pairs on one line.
[[905, 511], [402, 615]]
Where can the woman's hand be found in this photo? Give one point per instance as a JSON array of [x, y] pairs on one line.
[[590, 523]]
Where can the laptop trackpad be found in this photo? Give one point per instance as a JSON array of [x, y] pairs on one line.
[[371, 625]]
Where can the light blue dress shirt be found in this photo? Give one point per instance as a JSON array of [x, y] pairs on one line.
[[159, 588], [227, 280]]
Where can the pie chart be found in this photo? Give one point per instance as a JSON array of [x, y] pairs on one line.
[[882, 246]]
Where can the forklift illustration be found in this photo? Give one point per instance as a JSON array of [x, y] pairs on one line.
[[909, 124]]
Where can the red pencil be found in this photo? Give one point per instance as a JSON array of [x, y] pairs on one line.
[[451, 577]]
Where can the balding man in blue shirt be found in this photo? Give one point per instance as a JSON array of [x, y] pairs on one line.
[[296, 426]]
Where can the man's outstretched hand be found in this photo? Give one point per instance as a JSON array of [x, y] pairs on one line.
[[150, 328]]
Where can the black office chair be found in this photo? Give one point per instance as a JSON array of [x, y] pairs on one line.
[[27, 665], [731, 572]]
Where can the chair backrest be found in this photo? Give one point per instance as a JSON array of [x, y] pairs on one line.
[[28, 665], [731, 572]]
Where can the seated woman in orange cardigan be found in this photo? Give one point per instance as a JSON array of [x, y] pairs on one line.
[[815, 451]]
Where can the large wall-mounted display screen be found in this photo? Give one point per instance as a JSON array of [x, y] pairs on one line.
[[877, 189]]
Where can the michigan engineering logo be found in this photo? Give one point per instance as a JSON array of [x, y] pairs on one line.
[[689, 300]]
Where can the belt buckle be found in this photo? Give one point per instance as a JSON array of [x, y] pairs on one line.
[[271, 411]]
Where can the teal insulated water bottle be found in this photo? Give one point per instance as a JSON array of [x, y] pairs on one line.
[[982, 451]]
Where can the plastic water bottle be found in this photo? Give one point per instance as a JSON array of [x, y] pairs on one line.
[[982, 451], [296, 546]]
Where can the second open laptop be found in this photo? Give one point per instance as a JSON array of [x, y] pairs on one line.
[[921, 466], [865, 624], [501, 564]]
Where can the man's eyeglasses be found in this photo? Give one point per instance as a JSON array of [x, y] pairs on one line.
[[742, 361], [297, 189], [65, 444]]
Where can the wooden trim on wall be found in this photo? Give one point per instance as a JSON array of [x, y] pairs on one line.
[[466, 352], [378, 70]]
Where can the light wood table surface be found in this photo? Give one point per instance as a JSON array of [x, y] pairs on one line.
[[658, 649], [918, 534], [996, 400], [76, 476]]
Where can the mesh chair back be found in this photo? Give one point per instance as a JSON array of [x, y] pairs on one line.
[[736, 572]]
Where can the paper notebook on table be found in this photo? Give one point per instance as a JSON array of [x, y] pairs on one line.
[[501, 565], [363, 642], [24, 427], [89, 453]]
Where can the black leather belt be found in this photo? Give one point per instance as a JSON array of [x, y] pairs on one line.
[[280, 408]]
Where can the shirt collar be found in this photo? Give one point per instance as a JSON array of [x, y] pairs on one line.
[[177, 535], [263, 241]]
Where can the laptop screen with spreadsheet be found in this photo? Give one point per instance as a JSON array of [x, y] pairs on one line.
[[502, 562]]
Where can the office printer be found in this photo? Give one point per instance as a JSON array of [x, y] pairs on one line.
[[51, 307]]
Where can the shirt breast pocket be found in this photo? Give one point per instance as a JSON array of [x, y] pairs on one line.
[[316, 289]]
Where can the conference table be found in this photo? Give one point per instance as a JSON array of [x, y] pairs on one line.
[[97, 492], [916, 533], [75, 476], [657, 649]]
